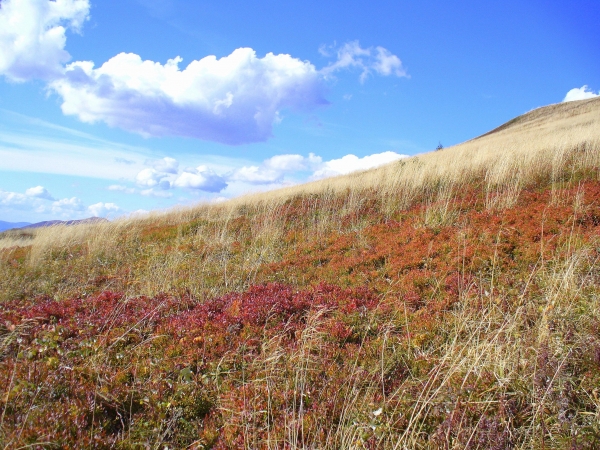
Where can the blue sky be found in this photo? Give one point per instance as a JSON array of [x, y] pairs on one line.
[[108, 108]]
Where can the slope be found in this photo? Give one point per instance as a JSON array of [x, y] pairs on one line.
[[446, 301]]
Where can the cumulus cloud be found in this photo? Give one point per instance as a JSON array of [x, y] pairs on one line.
[[368, 60], [67, 206], [166, 174], [280, 170], [160, 175], [291, 169], [39, 192], [103, 209], [13, 199], [30, 199], [166, 165], [33, 36], [152, 178], [352, 163], [37, 201], [273, 170], [233, 100], [201, 178], [582, 93], [74, 207]]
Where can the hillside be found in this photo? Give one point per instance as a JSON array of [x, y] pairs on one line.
[[449, 300]]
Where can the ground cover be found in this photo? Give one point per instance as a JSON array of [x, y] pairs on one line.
[[476, 331]]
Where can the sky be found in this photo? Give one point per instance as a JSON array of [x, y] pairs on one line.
[[116, 108]]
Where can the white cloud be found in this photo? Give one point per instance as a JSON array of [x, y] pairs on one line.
[[352, 55], [286, 162], [387, 63], [256, 175], [103, 209], [232, 100], [32, 36], [582, 93], [67, 206], [152, 177], [34, 197], [39, 192], [165, 174], [37, 204], [38, 200], [272, 173], [166, 165], [13, 199], [274, 169], [201, 178], [352, 163]]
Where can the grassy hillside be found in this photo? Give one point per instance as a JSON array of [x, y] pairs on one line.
[[449, 300]]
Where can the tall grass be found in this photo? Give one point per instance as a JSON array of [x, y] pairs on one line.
[[551, 143]]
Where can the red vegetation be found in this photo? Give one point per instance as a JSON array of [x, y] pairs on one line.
[[282, 358], [56, 342]]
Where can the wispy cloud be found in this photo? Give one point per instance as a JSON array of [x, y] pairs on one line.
[[33, 145], [367, 60], [121, 188], [124, 161]]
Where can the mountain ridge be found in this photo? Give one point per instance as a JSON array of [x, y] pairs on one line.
[[6, 226]]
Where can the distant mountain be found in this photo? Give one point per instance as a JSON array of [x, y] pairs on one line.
[[51, 223], [4, 226], [10, 225]]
